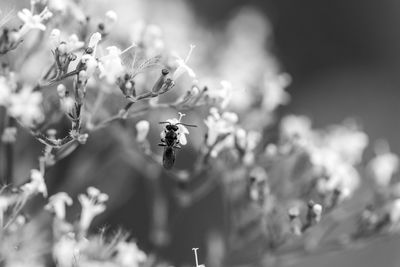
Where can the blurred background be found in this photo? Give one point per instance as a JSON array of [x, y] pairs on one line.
[[344, 60]]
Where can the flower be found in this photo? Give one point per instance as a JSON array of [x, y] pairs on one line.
[[9, 135], [142, 129], [35, 185], [33, 21], [293, 126], [181, 132], [221, 96], [129, 255], [91, 65], [57, 204], [182, 65], [340, 175], [219, 124], [25, 106], [111, 18], [110, 65], [5, 91], [73, 43], [347, 141], [55, 38], [384, 165], [92, 205], [66, 251], [275, 94]]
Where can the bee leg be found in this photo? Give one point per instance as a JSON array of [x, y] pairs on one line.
[[177, 146], [162, 144]]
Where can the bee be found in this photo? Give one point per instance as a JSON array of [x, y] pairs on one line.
[[171, 140]]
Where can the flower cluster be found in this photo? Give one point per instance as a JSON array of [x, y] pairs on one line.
[[281, 180]]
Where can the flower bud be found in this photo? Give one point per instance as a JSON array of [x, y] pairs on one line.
[[142, 129], [61, 90], [160, 82]]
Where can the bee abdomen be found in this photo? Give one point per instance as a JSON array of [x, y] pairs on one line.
[[168, 158]]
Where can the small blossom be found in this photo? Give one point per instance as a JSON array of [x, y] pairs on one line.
[[33, 21], [92, 205], [74, 43], [384, 165], [142, 129], [67, 104], [182, 65], [35, 185], [91, 65], [55, 38], [274, 92], [66, 251], [5, 91], [61, 90], [110, 65], [129, 255], [348, 141], [219, 124], [317, 212], [221, 96], [25, 106], [111, 18], [9, 135], [57, 204], [293, 127]]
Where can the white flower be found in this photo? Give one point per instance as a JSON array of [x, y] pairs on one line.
[[111, 18], [275, 94], [58, 5], [33, 21], [219, 124], [57, 204], [182, 130], [293, 126], [35, 185], [182, 65], [221, 96], [340, 175], [347, 141], [25, 106], [74, 43], [91, 65], [142, 129], [110, 65], [9, 135], [55, 38], [92, 205], [67, 104], [129, 255], [66, 251], [5, 91], [383, 166], [317, 211]]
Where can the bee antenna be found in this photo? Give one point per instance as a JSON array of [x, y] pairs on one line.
[[164, 122], [188, 125]]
